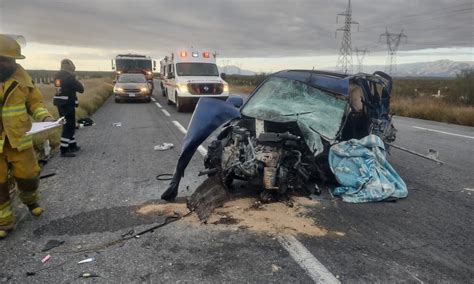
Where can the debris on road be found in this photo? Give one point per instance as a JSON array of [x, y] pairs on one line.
[[117, 124], [164, 147], [85, 122], [47, 175], [91, 259], [52, 244], [46, 258], [88, 275], [244, 214], [275, 268]]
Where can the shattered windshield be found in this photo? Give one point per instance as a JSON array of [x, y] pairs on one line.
[[285, 100]]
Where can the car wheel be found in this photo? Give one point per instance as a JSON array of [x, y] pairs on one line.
[[117, 100], [148, 100]]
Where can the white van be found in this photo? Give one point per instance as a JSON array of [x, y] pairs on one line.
[[192, 74]]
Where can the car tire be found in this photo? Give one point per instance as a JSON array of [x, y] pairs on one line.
[[148, 100], [117, 100]]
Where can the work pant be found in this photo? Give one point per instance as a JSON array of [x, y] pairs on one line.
[[68, 138], [25, 170]]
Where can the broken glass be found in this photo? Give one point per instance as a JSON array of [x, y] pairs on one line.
[[285, 100]]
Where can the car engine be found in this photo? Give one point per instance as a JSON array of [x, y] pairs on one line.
[[272, 159]]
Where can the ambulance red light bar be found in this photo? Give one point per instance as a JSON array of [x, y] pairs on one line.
[[205, 54], [183, 54]]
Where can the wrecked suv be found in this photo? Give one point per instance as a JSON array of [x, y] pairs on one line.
[[280, 138]]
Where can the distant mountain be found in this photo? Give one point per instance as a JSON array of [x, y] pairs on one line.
[[440, 68], [235, 70]]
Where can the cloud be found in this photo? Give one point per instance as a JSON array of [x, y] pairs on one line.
[[242, 28]]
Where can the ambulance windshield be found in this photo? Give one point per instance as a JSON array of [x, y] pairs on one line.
[[196, 69]]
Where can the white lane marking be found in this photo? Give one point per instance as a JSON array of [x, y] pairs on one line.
[[469, 189], [313, 267], [202, 150], [153, 99], [158, 105], [180, 127], [165, 112], [443, 132]]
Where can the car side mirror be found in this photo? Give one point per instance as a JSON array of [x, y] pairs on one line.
[[237, 101], [223, 76], [170, 75], [114, 81]]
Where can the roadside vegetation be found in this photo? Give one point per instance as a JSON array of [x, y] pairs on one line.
[[448, 100], [96, 93]]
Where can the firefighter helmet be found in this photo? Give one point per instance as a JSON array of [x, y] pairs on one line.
[[10, 48]]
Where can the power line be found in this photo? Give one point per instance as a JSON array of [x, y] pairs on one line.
[[344, 61], [422, 19]]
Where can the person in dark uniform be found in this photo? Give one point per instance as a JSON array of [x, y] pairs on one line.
[[66, 101]]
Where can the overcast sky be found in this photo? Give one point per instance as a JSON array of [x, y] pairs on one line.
[[258, 35]]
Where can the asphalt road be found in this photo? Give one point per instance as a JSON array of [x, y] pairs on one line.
[[427, 237]]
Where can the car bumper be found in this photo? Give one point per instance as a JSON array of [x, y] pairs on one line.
[[135, 96]]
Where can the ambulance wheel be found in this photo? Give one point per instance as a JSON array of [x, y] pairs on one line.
[[180, 106]]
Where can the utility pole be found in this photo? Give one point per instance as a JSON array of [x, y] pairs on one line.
[[360, 53], [393, 43], [344, 61]]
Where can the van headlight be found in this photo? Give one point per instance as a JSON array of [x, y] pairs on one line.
[[183, 88], [226, 87], [118, 89], [144, 90]]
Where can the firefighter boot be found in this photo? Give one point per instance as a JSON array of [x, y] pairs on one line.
[[7, 222], [35, 209], [29, 194]]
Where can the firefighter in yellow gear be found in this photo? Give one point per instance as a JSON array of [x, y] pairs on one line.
[[19, 100]]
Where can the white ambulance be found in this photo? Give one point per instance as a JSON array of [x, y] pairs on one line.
[[192, 74]]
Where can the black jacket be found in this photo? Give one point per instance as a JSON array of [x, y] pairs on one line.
[[67, 85]]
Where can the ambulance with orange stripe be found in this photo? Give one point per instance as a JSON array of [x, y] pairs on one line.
[[190, 74]]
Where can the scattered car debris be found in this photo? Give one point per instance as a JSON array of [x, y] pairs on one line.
[[88, 275], [52, 244], [164, 147], [91, 259], [275, 268], [117, 124], [46, 258], [47, 175], [86, 122]]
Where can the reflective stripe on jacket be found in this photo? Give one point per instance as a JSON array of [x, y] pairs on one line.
[[19, 99]]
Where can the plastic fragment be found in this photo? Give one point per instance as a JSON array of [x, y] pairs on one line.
[[46, 258], [163, 147], [86, 260]]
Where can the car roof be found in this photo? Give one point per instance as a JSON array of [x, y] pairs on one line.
[[329, 81]]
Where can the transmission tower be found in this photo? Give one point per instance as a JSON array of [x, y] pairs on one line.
[[393, 43], [360, 53], [344, 61]]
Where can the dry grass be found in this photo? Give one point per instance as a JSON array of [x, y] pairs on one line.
[[433, 109], [96, 93]]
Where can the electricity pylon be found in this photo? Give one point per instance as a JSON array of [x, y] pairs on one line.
[[344, 61], [393, 43], [360, 53]]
